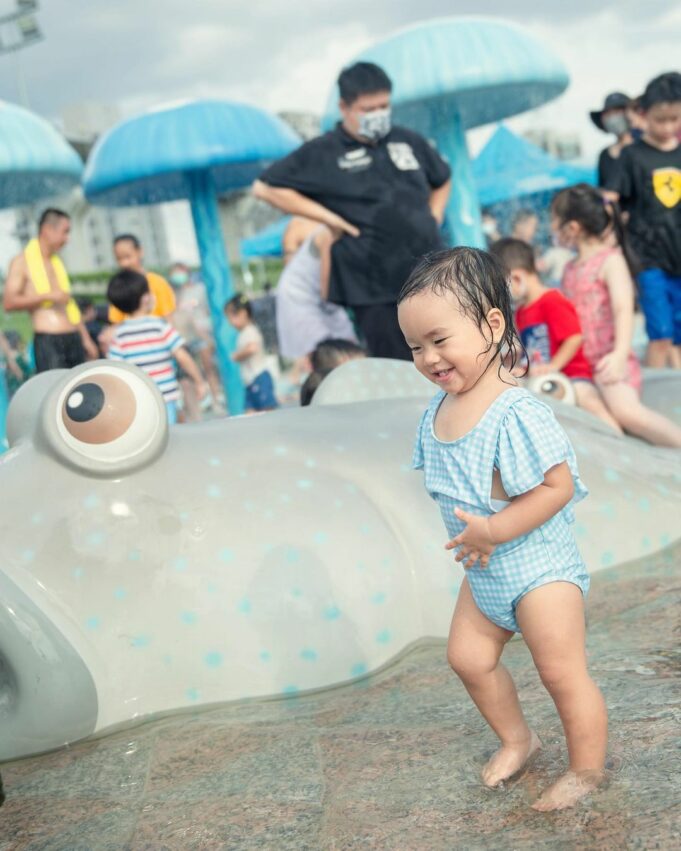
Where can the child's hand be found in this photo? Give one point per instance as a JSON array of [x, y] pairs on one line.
[[611, 368], [476, 540]]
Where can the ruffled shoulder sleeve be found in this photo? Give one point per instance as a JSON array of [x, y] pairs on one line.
[[531, 442], [418, 456]]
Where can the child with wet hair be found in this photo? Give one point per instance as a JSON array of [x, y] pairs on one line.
[[505, 477]]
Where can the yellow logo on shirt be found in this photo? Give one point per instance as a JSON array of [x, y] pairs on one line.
[[667, 186]]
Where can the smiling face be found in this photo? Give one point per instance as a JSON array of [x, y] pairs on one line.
[[448, 347]]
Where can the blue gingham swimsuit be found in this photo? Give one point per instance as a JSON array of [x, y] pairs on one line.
[[520, 437]]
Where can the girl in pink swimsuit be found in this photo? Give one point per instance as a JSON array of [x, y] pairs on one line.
[[600, 285]]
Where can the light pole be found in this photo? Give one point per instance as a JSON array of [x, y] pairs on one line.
[[19, 29]]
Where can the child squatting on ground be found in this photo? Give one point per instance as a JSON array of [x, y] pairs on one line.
[[505, 477]]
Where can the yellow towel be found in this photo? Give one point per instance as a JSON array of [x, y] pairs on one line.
[[38, 273]]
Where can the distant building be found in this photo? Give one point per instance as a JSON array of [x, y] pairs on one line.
[[564, 146]]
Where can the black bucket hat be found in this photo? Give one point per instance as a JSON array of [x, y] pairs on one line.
[[615, 100]]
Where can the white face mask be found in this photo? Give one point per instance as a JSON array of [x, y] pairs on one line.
[[375, 125], [616, 124]]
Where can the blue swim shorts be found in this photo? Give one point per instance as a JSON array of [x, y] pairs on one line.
[[260, 393], [660, 296]]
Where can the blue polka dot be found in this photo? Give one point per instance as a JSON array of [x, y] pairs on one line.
[[134, 555], [95, 538], [365, 529], [192, 694], [350, 488], [265, 655], [28, 555], [179, 564], [93, 622], [214, 491], [361, 566], [310, 462], [243, 474], [320, 537], [78, 572], [384, 636], [167, 659], [339, 447], [383, 435], [358, 669], [248, 505], [580, 530], [664, 540], [332, 613], [184, 516], [608, 509], [213, 659], [120, 593], [645, 542], [140, 641], [189, 618], [211, 588], [296, 592], [607, 558], [308, 654], [292, 555], [304, 484], [386, 562], [214, 462], [285, 498], [37, 519], [280, 450], [611, 475], [644, 504], [91, 501], [663, 489], [290, 689], [226, 554], [379, 598], [338, 503], [405, 468], [244, 606]]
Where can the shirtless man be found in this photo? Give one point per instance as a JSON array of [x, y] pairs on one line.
[[60, 342]]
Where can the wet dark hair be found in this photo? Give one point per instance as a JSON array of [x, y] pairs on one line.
[[310, 386], [51, 216], [126, 289], [128, 237], [514, 254], [479, 282], [663, 89], [362, 78], [587, 206], [237, 303], [330, 353]]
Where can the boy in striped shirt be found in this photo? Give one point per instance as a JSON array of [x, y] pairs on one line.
[[148, 341]]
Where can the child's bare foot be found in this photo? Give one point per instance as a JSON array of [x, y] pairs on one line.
[[509, 759], [568, 789]]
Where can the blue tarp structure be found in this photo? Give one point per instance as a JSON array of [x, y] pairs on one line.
[[511, 167], [266, 243]]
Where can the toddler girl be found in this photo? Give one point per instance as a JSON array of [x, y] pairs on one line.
[[599, 283], [505, 477]]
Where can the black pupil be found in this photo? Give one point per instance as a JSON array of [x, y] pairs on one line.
[[84, 402]]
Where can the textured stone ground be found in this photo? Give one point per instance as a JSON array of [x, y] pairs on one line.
[[389, 763]]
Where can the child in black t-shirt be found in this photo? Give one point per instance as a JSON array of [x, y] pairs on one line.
[[648, 182]]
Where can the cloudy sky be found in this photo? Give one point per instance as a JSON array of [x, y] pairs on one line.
[[285, 54]]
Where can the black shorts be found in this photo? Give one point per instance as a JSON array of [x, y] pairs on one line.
[[58, 351], [379, 327]]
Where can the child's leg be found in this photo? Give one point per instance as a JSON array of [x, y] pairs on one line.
[[625, 405], [552, 621], [473, 651], [589, 398]]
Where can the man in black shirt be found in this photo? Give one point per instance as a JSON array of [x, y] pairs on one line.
[[648, 182], [382, 190]]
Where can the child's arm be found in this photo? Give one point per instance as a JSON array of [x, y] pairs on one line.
[[612, 367], [568, 349], [323, 242], [186, 361], [246, 352], [525, 513]]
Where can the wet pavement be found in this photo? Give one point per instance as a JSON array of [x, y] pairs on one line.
[[390, 762]]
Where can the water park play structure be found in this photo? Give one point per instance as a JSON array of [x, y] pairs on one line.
[[162, 569]]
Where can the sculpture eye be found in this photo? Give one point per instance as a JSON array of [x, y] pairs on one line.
[[108, 418]]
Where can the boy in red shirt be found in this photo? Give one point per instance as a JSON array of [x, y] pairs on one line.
[[548, 326]]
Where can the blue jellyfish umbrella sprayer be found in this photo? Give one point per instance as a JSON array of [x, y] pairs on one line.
[[452, 74], [194, 150]]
